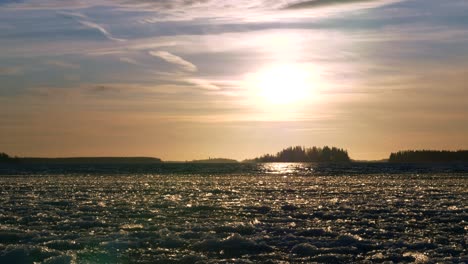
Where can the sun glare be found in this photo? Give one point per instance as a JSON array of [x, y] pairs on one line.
[[283, 84]]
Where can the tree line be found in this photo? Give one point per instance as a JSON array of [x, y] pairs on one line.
[[5, 158], [302, 154], [414, 156]]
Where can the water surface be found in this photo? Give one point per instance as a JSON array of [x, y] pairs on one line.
[[233, 213]]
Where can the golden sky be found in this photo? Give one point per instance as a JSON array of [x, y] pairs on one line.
[[184, 80]]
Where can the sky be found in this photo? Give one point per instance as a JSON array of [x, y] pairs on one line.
[[192, 79]]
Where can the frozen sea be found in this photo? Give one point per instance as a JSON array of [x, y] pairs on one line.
[[234, 213]]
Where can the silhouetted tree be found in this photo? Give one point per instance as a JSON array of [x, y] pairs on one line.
[[414, 156], [301, 154], [4, 158]]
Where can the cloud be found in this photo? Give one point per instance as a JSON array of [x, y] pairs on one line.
[[128, 60], [45, 5], [325, 8], [245, 10], [174, 59], [204, 84], [322, 3], [214, 10], [84, 20], [100, 28], [72, 15], [62, 64]]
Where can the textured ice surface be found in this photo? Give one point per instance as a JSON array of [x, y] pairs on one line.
[[269, 218]]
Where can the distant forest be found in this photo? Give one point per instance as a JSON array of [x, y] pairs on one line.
[[5, 158], [302, 154], [290, 154], [415, 156], [214, 160]]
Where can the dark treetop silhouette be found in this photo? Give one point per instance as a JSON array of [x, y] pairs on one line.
[[215, 160], [4, 158], [412, 156], [302, 154]]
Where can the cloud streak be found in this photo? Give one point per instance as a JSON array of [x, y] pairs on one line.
[[323, 3], [99, 28], [333, 6], [62, 64], [215, 10], [84, 21], [204, 84], [174, 59]]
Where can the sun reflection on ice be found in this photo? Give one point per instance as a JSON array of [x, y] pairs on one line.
[[285, 168]]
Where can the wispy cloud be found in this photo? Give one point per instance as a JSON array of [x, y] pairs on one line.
[[219, 11], [203, 84], [322, 3], [85, 21], [185, 10], [174, 59], [62, 64], [240, 4], [72, 14], [48, 4], [128, 60], [100, 28]]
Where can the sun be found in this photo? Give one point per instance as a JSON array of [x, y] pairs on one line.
[[283, 84]]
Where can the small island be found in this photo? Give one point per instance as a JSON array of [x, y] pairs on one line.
[[214, 160], [302, 154], [5, 158], [429, 156]]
